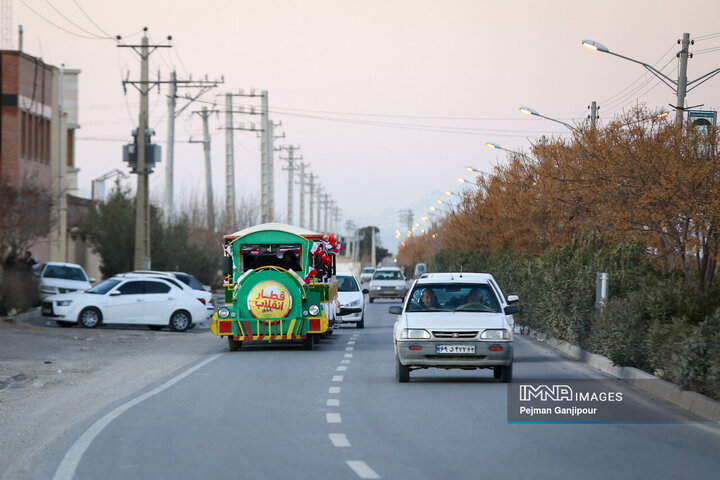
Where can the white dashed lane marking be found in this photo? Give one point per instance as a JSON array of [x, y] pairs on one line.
[[348, 355], [345, 361], [339, 440], [334, 390], [337, 378], [332, 402], [362, 469], [333, 418], [349, 349], [341, 368]]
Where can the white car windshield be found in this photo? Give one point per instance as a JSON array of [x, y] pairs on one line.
[[388, 275], [103, 287], [65, 272], [453, 297], [347, 284]]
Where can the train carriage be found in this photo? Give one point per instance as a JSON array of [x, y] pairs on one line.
[[279, 285]]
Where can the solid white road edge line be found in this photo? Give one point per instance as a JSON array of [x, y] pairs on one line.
[[69, 463]]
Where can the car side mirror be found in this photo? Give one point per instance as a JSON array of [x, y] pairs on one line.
[[512, 299], [365, 291], [395, 310], [36, 273], [511, 309], [227, 265], [114, 293], [93, 279]]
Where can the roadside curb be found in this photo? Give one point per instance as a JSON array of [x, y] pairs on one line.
[[694, 402], [20, 316]]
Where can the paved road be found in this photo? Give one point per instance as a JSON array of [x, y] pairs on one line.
[[337, 412]]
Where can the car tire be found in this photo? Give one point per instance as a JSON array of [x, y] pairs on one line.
[[63, 324], [308, 341], [361, 323], [180, 321], [90, 317], [402, 372], [371, 299], [155, 327], [233, 345], [506, 374]]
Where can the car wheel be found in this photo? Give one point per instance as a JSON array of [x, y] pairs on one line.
[[63, 324], [234, 345], [361, 323], [90, 317], [180, 321], [402, 372], [506, 374], [371, 299], [308, 341]]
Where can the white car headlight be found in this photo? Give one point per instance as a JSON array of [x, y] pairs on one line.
[[356, 303], [414, 333], [375, 287], [223, 312], [313, 310], [46, 289], [495, 334], [63, 303], [399, 287]]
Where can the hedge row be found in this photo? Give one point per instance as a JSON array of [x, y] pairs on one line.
[[653, 321]]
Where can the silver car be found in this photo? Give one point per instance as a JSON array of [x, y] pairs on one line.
[[455, 320], [387, 282]]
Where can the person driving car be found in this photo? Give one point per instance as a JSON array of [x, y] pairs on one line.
[[428, 300]]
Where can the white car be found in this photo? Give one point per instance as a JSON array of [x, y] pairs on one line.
[[387, 282], [188, 283], [366, 274], [455, 320], [59, 277], [351, 296], [134, 300]]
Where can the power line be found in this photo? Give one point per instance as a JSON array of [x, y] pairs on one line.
[[90, 18], [73, 23], [94, 37]]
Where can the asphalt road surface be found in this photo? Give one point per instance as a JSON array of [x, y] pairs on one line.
[[337, 412]]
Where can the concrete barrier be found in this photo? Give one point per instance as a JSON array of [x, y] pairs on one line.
[[700, 405]]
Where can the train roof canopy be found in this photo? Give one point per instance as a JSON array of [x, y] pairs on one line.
[[278, 227]]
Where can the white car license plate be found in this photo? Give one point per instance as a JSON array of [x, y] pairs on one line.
[[455, 349]]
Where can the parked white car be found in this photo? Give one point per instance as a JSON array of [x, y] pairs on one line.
[[350, 296], [387, 282], [455, 320], [59, 277], [186, 282], [131, 299]]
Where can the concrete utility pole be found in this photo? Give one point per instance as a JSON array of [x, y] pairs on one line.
[[373, 261], [311, 198], [682, 77], [229, 162], [209, 197], [265, 161], [326, 204], [593, 114], [291, 179], [174, 83], [319, 190], [302, 195], [142, 259]]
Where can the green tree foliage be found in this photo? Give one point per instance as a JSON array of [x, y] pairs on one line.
[[178, 246]]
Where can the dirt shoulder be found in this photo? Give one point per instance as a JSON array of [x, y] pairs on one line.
[[53, 378]]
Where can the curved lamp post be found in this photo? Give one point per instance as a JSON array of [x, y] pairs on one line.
[[679, 86], [532, 111]]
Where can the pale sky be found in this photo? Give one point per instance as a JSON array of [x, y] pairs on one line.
[[388, 99]]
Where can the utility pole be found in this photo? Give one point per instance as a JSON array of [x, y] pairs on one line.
[[142, 205], [174, 83], [593, 114], [302, 195], [291, 179], [326, 204], [311, 198], [209, 197], [373, 261], [682, 77], [265, 160], [229, 161], [318, 190]]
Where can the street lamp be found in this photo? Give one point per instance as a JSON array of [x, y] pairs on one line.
[[531, 111], [462, 180], [679, 86]]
